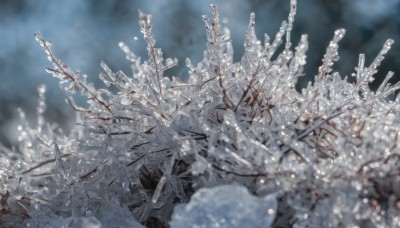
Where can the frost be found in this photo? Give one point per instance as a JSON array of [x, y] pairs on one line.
[[225, 206], [148, 145]]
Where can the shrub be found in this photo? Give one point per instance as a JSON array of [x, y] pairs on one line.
[[329, 154]]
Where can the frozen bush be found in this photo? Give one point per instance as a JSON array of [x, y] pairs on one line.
[[329, 153]]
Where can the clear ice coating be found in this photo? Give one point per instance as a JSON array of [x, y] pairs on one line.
[[225, 206], [329, 154]]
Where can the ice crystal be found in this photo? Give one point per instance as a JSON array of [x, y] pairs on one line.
[[220, 207], [329, 154]]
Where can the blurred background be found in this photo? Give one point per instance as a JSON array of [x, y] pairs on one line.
[[85, 32]]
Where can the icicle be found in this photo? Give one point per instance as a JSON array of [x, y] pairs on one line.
[[360, 68], [382, 86], [212, 29], [157, 192], [299, 59], [331, 54], [292, 14], [277, 41], [215, 16], [266, 43], [293, 3], [163, 180], [250, 35], [301, 50], [385, 89], [59, 163], [372, 69]]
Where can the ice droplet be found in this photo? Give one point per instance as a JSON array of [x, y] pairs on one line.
[[125, 100], [270, 211], [339, 34], [48, 44], [42, 89], [169, 61]]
